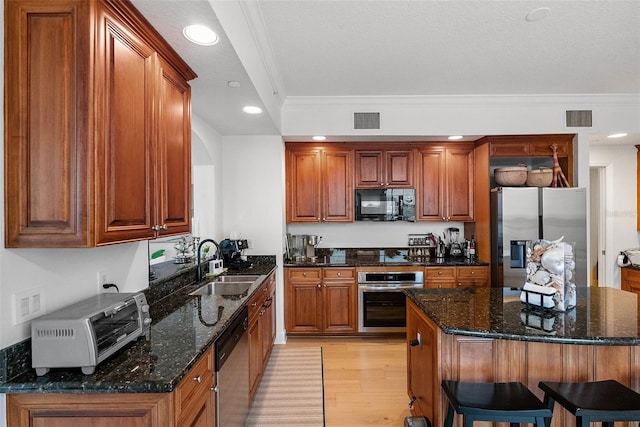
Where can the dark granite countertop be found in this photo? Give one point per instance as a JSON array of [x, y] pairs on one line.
[[372, 257], [602, 316], [183, 328]]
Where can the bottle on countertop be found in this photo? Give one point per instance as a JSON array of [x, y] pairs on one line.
[[472, 248]]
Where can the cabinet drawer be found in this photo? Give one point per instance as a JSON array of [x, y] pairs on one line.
[[198, 380], [304, 273], [339, 273], [472, 272], [440, 272]]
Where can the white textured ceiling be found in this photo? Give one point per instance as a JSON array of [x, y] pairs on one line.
[[394, 47]]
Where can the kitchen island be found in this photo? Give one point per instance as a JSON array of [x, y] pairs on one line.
[[488, 335], [164, 380]]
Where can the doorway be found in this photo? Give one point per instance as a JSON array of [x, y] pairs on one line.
[[598, 225]]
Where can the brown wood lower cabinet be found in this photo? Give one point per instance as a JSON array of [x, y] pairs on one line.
[[262, 331], [452, 277], [191, 404], [630, 280], [321, 300], [443, 356]]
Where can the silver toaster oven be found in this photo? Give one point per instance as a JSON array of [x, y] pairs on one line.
[[86, 333]]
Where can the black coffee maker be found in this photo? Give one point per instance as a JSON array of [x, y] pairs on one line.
[[232, 253]]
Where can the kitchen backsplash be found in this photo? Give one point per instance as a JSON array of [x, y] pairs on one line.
[[371, 234]]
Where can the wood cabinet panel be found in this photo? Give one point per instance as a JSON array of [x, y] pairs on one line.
[[87, 101], [384, 167], [125, 153], [319, 184], [262, 331], [46, 127], [100, 410], [450, 277], [445, 183], [173, 168], [322, 301], [630, 280]]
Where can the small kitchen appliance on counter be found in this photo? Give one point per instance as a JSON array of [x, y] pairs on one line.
[[312, 243], [455, 250], [86, 333], [232, 253]]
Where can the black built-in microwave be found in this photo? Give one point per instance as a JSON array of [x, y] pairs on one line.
[[391, 204]]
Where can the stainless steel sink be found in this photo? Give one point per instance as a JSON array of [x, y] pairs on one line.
[[230, 286]]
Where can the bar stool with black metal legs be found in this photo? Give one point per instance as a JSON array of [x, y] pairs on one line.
[[510, 402], [599, 401]]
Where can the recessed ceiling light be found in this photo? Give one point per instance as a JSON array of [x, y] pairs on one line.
[[233, 83], [617, 135], [250, 109], [199, 34], [319, 138], [537, 14], [455, 137]]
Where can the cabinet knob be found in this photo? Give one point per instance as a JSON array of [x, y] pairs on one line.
[[325, 285], [473, 272], [264, 289], [304, 274], [319, 285], [324, 218], [439, 286], [197, 379], [156, 228], [319, 219], [164, 226], [339, 274], [254, 304], [439, 273]]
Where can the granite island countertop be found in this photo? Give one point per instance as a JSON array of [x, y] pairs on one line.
[[602, 316], [183, 328]]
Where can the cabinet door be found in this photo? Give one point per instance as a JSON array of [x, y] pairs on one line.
[[255, 356], [399, 168], [267, 324], [430, 185], [440, 277], [96, 410], [303, 185], [303, 310], [47, 139], [125, 144], [473, 276], [340, 307], [459, 186], [173, 190], [369, 168], [337, 186], [422, 371]]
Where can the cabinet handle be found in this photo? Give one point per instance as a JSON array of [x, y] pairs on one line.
[[156, 228], [264, 289], [254, 304], [164, 226], [261, 312], [197, 379], [414, 343]]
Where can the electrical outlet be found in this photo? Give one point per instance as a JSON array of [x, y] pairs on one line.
[[28, 304], [101, 277]]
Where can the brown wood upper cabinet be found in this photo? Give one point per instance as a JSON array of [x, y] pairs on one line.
[[384, 168], [319, 184], [97, 142], [445, 188]]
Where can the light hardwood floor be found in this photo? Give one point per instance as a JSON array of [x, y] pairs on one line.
[[365, 380]]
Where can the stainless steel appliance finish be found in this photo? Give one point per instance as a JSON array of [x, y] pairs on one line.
[[392, 204], [521, 214], [231, 364], [86, 333], [381, 302]]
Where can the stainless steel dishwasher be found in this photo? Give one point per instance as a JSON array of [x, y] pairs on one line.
[[232, 377]]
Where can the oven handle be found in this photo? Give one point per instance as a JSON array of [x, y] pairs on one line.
[[387, 289]]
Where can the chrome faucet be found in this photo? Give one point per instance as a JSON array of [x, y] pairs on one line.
[[198, 266]]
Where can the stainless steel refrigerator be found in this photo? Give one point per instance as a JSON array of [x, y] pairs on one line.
[[521, 214]]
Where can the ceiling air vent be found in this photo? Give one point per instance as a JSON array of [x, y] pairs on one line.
[[366, 120], [579, 118]]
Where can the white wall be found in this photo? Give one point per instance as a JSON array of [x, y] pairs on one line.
[[621, 209], [253, 200]]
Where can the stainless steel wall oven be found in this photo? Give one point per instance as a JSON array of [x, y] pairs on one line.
[[381, 302]]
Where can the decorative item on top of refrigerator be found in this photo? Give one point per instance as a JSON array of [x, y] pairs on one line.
[[550, 281]]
